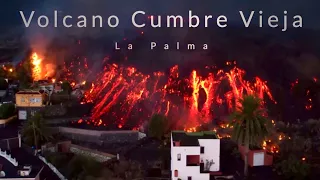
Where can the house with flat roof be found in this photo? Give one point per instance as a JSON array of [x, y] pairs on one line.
[[11, 169], [17, 161], [28, 103], [194, 156]]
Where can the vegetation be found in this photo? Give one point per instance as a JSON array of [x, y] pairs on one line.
[[299, 151], [3, 84], [66, 87], [127, 170], [35, 131], [293, 168], [80, 167], [24, 74], [249, 124], [61, 97], [312, 126], [7, 110], [158, 126]]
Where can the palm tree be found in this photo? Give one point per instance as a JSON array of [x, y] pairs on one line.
[[35, 130], [250, 125]]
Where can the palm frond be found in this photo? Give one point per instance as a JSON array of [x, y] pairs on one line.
[[249, 121]]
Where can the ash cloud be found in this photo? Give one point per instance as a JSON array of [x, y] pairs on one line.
[[42, 38], [123, 9]]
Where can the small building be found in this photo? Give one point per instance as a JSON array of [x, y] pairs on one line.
[[11, 169], [258, 157], [10, 164], [28, 103], [194, 156], [47, 88]]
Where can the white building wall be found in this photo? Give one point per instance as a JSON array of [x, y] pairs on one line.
[[211, 152], [185, 171], [258, 158]]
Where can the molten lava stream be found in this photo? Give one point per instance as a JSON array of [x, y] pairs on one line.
[[139, 96]]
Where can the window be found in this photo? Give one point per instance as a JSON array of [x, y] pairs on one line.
[[179, 157], [189, 178], [202, 150], [176, 173]]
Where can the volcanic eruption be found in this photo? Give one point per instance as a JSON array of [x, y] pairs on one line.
[[40, 68], [126, 97]]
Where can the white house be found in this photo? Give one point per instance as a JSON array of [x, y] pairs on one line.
[[194, 156]]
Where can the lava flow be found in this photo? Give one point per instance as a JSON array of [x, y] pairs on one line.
[[124, 96]]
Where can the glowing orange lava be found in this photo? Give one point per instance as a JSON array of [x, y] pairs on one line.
[[125, 94]]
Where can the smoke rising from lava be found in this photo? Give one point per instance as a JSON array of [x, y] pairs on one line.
[[253, 57], [125, 96]]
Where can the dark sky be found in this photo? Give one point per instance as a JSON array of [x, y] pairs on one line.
[[9, 10]]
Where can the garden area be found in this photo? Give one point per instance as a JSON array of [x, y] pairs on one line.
[[7, 110], [7, 113], [294, 147], [74, 166], [299, 152]]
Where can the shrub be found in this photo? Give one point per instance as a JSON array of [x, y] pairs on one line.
[[157, 126], [293, 168], [7, 110], [58, 98], [59, 160], [3, 84], [66, 86]]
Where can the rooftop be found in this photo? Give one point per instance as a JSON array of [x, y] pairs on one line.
[[25, 158], [28, 92], [191, 139], [11, 171]]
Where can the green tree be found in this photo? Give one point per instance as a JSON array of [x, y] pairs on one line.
[[297, 145], [66, 87], [293, 168], [24, 74], [3, 84], [250, 126], [157, 126], [7, 110], [35, 131]]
